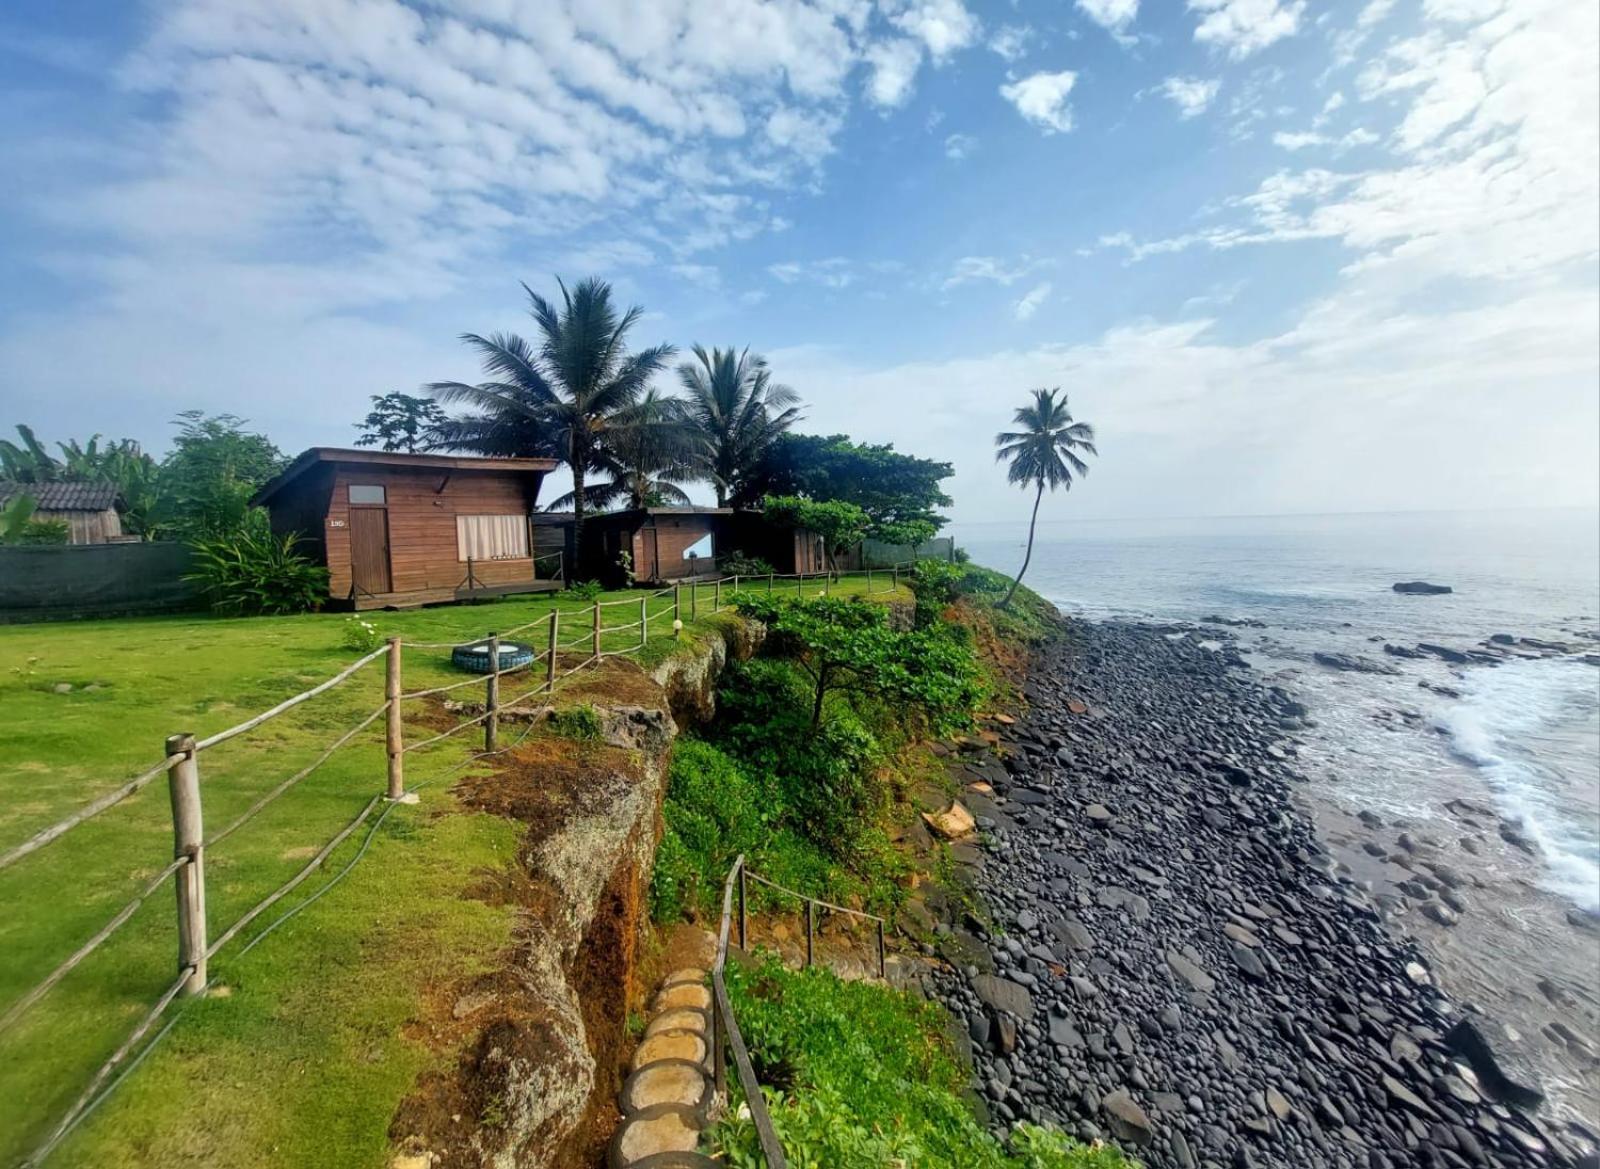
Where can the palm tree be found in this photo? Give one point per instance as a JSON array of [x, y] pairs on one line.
[[561, 398], [648, 449], [1042, 454], [736, 406]]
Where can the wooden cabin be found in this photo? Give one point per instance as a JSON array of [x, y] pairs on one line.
[[398, 530], [787, 549], [88, 509], [664, 543]]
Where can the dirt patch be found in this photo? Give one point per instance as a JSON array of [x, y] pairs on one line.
[[541, 1041]]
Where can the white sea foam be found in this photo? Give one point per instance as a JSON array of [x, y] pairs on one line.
[[1530, 728]]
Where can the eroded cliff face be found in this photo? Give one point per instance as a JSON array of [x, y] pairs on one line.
[[542, 1036]]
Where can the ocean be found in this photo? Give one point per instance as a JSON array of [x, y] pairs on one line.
[[1525, 734]]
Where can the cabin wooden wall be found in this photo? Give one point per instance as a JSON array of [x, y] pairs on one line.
[[87, 527], [674, 535], [423, 504]]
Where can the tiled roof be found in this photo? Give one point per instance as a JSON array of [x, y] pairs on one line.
[[63, 496]]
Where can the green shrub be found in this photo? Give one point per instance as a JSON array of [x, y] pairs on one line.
[[738, 564], [860, 1076], [585, 590], [253, 572], [581, 723], [717, 808], [935, 583], [360, 635], [45, 532]]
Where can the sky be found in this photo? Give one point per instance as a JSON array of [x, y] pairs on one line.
[[1286, 256]]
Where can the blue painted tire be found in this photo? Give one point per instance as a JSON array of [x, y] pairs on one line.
[[474, 656]]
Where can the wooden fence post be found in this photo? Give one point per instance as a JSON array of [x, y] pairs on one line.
[[811, 931], [597, 629], [677, 609], [799, 584], [491, 702], [896, 570], [550, 659], [769, 584], [393, 734], [644, 621], [716, 596], [869, 582], [744, 918], [188, 836], [736, 582], [883, 961]]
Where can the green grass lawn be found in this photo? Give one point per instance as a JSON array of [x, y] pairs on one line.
[[302, 1061]]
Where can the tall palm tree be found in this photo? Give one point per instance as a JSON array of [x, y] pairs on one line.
[[1042, 453], [560, 398], [648, 449], [737, 407]]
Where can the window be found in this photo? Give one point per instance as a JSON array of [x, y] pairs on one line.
[[491, 537], [366, 493], [700, 548]]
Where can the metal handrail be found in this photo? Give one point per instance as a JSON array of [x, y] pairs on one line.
[[723, 1023]]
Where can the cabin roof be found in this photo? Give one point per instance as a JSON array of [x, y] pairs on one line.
[[398, 459], [70, 495]]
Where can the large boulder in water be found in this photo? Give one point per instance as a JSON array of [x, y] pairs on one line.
[[1420, 586], [1353, 663], [1504, 1069]]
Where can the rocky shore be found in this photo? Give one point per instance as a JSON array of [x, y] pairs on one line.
[[1173, 960]]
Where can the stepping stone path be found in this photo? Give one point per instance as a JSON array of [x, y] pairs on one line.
[[667, 1099]]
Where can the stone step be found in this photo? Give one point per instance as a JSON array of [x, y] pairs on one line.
[[667, 1081], [668, 1096]]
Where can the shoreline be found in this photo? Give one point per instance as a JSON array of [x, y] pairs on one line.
[[1177, 961]]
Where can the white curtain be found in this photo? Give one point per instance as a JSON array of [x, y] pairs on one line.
[[491, 537]]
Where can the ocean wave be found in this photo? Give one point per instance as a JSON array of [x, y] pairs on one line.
[[1530, 728]]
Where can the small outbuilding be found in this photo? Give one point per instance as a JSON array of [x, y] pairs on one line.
[[88, 509], [399, 530], [661, 543]]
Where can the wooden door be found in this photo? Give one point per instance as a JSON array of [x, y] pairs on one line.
[[369, 550]]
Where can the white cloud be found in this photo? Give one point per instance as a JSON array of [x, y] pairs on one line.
[[1497, 170], [1189, 423], [834, 272], [1029, 304], [1042, 99], [1243, 27], [1192, 95], [1115, 15], [972, 268], [944, 26], [894, 66], [1010, 41], [959, 146]]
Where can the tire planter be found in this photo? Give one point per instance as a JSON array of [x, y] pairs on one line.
[[474, 656]]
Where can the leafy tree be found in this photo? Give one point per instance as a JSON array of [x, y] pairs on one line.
[[1043, 453], [740, 412], [841, 525], [214, 467], [648, 449], [899, 492], [560, 398], [846, 644], [27, 462], [121, 462], [400, 422]]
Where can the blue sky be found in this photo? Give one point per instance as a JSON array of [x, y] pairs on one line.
[[1286, 256]]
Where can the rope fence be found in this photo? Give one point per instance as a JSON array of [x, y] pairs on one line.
[[181, 765]]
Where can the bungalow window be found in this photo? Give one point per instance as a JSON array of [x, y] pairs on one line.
[[366, 493], [491, 537]]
